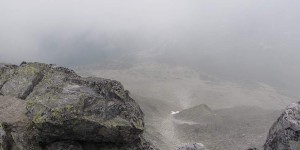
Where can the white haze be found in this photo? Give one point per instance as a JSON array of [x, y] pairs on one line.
[[239, 40]]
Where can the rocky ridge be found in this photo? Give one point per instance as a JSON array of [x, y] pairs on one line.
[[57, 109]]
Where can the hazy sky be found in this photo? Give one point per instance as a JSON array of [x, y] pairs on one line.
[[235, 39]]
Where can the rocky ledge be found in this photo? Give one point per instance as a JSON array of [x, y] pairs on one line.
[[52, 108]]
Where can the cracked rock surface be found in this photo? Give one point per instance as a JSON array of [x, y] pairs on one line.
[[52, 107]]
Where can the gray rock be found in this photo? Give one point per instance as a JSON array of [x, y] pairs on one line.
[[22, 81], [140, 144], [64, 145], [194, 146], [6, 71], [3, 138], [65, 106], [62, 106], [285, 132], [16, 128], [12, 110]]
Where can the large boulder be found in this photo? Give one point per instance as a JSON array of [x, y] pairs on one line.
[[62, 106], [285, 132]]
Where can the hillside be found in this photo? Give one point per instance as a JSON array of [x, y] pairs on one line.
[[239, 128], [161, 89], [186, 87]]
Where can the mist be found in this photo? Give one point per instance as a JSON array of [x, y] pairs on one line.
[[238, 40]]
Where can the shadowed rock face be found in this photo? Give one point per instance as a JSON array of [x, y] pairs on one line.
[[285, 132], [65, 145], [62, 106]]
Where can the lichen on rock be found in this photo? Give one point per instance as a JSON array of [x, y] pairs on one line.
[[22, 79], [62, 106]]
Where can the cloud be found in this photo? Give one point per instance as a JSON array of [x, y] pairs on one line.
[[236, 39]]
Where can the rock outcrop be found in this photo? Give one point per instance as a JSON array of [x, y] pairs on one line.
[[285, 132], [66, 111]]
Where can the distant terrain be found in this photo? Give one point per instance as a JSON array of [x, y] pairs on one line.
[[186, 87], [238, 116], [235, 128], [182, 105]]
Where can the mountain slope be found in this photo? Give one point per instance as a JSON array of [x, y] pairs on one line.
[[239, 108], [237, 128], [186, 87]]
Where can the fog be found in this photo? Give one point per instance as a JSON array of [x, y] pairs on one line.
[[239, 40]]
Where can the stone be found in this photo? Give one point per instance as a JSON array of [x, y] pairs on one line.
[[15, 126], [64, 145], [65, 106], [4, 144], [285, 132], [193, 146], [22, 81], [49, 107], [6, 71]]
